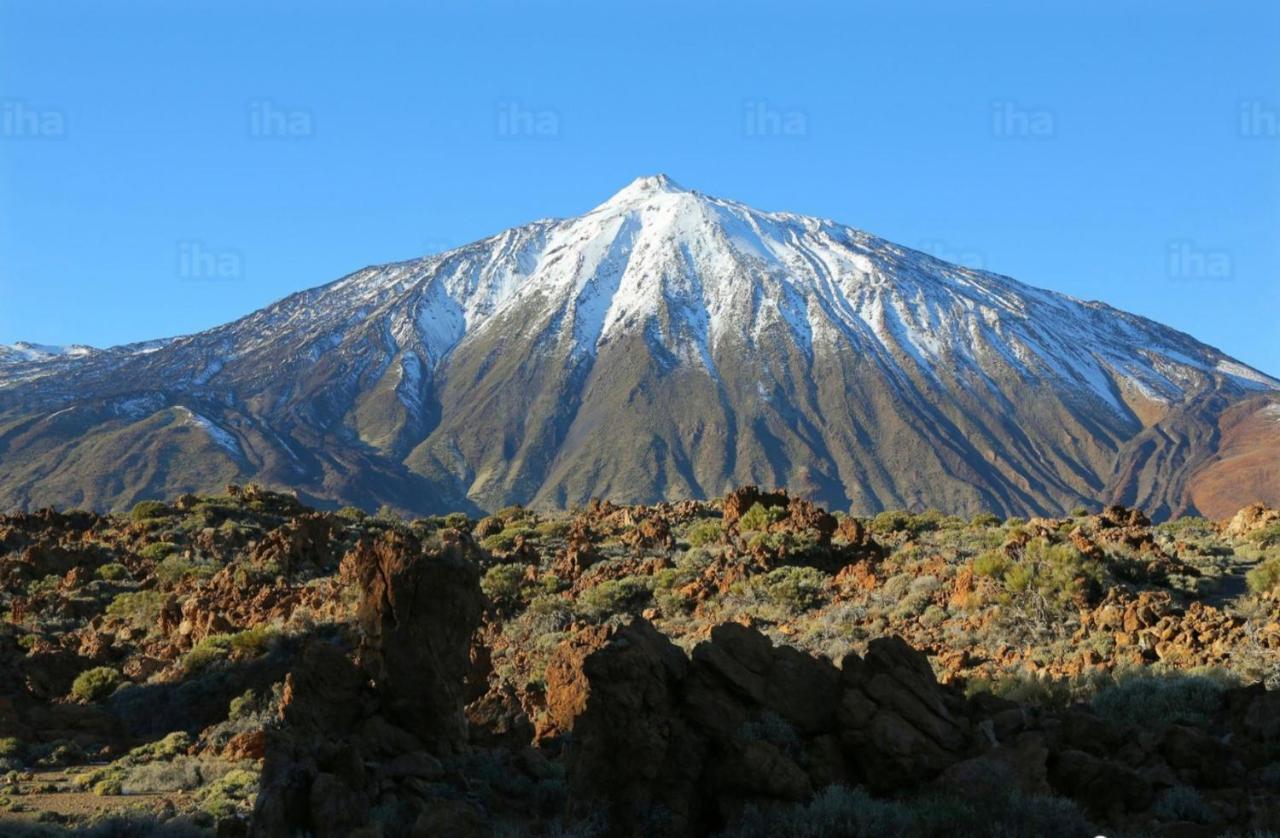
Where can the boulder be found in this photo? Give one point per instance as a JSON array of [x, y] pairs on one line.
[[898, 725]]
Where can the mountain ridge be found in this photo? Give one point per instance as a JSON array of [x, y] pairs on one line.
[[727, 345]]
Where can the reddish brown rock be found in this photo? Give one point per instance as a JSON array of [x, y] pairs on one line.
[[417, 613]]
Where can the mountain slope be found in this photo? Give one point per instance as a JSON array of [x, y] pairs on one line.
[[666, 344]]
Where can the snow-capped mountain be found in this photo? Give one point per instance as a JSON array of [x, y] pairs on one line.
[[665, 344]]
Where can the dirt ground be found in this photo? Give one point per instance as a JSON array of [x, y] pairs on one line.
[[51, 796]]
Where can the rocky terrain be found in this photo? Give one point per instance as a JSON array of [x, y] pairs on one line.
[[727, 345], [237, 663]]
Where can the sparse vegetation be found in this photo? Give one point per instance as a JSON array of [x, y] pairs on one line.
[[94, 684], [1050, 613], [148, 509]]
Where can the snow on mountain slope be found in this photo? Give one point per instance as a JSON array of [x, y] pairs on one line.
[[390, 357]]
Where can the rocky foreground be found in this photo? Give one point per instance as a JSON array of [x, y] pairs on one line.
[[241, 664]]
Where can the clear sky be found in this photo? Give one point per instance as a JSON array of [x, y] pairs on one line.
[[165, 167]]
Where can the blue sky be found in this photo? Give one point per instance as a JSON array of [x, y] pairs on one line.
[[165, 167]]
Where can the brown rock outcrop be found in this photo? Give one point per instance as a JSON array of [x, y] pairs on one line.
[[361, 731], [742, 721]]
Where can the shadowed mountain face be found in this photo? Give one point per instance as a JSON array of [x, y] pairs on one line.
[[664, 345]]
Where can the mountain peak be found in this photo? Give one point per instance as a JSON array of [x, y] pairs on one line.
[[645, 187]]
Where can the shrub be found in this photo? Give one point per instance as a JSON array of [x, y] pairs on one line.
[[704, 532], [141, 608], [501, 583], [1183, 803], [888, 522], [1046, 577], [10, 747], [96, 683], [457, 521], [174, 569], [213, 648], [839, 810], [1265, 578], [146, 510], [758, 517], [796, 589], [769, 727], [615, 596], [243, 706], [983, 520], [555, 528], [112, 572], [898, 520], [933, 616], [1266, 537], [1025, 688], [352, 513], [158, 550], [505, 540], [991, 564], [254, 641], [166, 748], [234, 791], [511, 514], [1139, 698]]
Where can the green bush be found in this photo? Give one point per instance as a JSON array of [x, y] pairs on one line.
[[212, 649], [157, 551], [704, 532], [161, 750], [112, 572], [992, 564], [511, 514], [254, 641], [1266, 537], [140, 608], [146, 510], [1042, 575], [242, 706], [174, 569], [501, 583], [1265, 578], [457, 521], [615, 596], [898, 520], [233, 792], [10, 747], [759, 517], [796, 589], [889, 522], [505, 540], [984, 520], [96, 683], [352, 513], [555, 528]]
